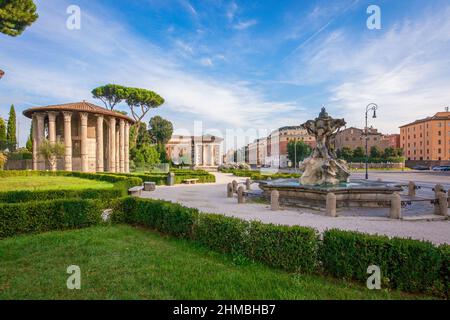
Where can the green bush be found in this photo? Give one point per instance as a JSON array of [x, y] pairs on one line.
[[31, 217], [221, 233], [120, 189], [291, 248], [406, 264], [445, 269], [167, 217]]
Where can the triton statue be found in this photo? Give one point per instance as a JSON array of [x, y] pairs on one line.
[[322, 167]]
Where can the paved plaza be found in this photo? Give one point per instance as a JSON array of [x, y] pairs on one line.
[[212, 198]]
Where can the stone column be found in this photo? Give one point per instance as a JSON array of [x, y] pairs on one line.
[[84, 148], [117, 150], [112, 144], [40, 137], [35, 142], [127, 147], [212, 154], [274, 200], [395, 211], [99, 144], [204, 163], [52, 134], [331, 205], [68, 140], [122, 145]]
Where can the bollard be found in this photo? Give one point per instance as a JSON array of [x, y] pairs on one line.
[[331, 205], [235, 186], [448, 197], [170, 179], [240, 192], [443, 204], [412, 189], [396, 206], [274, 200], [438, 189], [248, 184], [229, 190]]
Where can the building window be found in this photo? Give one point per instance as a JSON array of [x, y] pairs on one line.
[[439, 151], [439, 133], [439, 142]]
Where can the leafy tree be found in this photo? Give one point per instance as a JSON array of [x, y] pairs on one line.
[[29, 144], [16, 15], [11, 137], [358, 153], [51, 151], [346, 153], [110, 94], [162, 153], [389, 152], [375, 152], [298, 151], [146, 154], [160, 130], [2, 135], [140, 101], [143, 137]]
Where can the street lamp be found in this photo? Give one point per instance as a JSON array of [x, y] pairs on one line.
[[370, 107]]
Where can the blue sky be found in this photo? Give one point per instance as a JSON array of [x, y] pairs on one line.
[[238, 64]]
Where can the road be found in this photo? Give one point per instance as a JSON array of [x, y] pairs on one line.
[[423, 178]]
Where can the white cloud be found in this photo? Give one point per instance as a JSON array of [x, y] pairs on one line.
[[242, 25], [207, 62], [403, 69]]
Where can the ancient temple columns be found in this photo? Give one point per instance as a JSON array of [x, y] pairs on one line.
[[40, 136], [52, 133], [84, 146], [99, 144], [68, 140], [112, 144], [127, 147], [122, 145]]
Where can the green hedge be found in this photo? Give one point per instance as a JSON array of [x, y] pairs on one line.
[[167, 217], [180, 175], [409, 265], [289, 248], [257, 175], [120, 189], [33, 217]]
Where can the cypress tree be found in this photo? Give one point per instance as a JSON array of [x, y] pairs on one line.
[[11, 137], [29, 144], [2, 134]]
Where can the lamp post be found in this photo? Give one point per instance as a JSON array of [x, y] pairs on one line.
[[370, 107], [295, 155]]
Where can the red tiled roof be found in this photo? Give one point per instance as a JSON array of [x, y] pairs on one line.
[[437, 116], [77, 106]]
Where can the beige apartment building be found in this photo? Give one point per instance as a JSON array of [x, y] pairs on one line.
[[354, 137], [427, 141]]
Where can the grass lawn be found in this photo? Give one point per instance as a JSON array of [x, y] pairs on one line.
[[50, 183], [123, 262]]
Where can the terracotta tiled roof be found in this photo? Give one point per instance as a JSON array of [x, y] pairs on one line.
[[77, 106], [437, 116]]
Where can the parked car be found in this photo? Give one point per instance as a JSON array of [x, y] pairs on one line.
[[441, 168], [420, 167]]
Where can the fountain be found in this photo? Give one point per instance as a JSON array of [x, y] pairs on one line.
[[323, 173]]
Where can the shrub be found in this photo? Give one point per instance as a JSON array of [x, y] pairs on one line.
[[167, 217], [221, 233], [290, 248], [406, 264], [30, 217]]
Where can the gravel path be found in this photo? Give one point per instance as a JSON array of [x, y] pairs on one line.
[[212, 198]]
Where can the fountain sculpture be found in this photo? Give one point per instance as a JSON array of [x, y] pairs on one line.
[[322, 167], [323, 174]]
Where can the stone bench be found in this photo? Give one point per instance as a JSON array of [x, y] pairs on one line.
[[149, 186], [135, 191], [190, 181]]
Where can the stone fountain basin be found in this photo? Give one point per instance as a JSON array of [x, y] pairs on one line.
[[356, 193]]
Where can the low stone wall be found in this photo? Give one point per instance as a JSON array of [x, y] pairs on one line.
[[362, 165], [26, 164]]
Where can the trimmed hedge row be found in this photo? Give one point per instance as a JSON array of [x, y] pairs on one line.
[[120, 189], [289, 248], [180, 175], [409, 265], [257, 175], [406, 264], [33, 217]]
